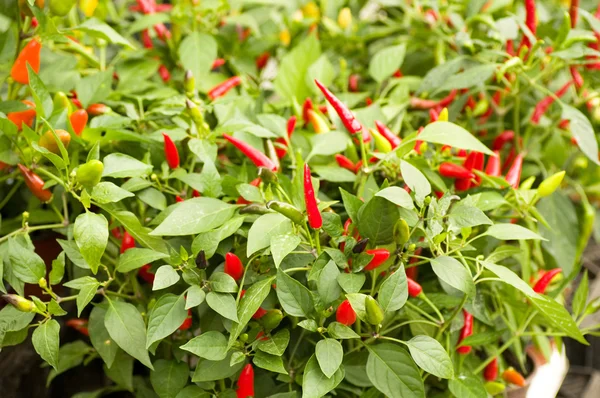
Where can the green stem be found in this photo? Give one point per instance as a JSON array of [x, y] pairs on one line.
[[420, 311], [423, 297], [28, 229]]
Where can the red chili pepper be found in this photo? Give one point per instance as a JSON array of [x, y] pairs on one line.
[[217, 63], [259, 313], [577, 78], [414, 289], [465, 332], [77, 103], [23, 117], [78, 119], [490, 373], [345, 163], [35, 184], [542, 284], [246, 383], [307, 106], [573, 12], [261, 60], [513, 177], [127, 243], [30, 54], [564, 124], [79, 324], [478, 162], [187, 323], [452, 170], [513, 377], [502, 139], [116, 232], [545, 103], [493, 168], [257, 157], [353, 83], [233, 266], [465, 183], [379, 257], [178, 199], [412, 272], [312, 210], [145, 274], [433, 115], [369, 101], [164, 73], [345, 313], [530, 20], [290, 127], [347, 117], [398, 74], [196, 194], [171, 152], [510, 47], [146, 39], [393, 139], [419, 103], [223, 88], [96, 109]]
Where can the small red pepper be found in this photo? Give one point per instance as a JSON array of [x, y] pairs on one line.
[[353, 83], [164, 73], [79, 324], [433, 115], [542, 284], [345, 163], [465, 183], [257, 157], [398, 74], [187, 322], [530, 20], [307, 106], [493, 167], [290, 127], [513, 177], [178, 199], [345, 313], [393, 139], [171, 152], [233, 266], [478, 165], [78, 119], [127, 243], [451, 170], [503, 138], [30, 54], [577, 78], [246, 382], [510, 47], [261, 60], [223, 88], [513, 377], [419, 103], [145, 274], [196, 194], [490, 373], [414, 289], [217, 63], [95, 109], [573, 12], [379, 257], [35, 184], [315, 220], [542, 106], [260, 312], [465, 332]]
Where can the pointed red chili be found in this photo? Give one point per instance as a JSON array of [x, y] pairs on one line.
[[542, 284], [353, 83], [127, 243], [257, 157], [345, 313], [79, 324], [164, 73], [542, 106], [171, 153], [178, 199], [414, 289], [187, 323], [290, 127], [393, 139], [478, 163], [312, 210], [233, 266], [451, 170], [246, 382], [490, 373], [465, 332], [223, 88], [419, 103], [465, 183], [379, 257], [146, 275], [513, 177], [530, 20], [503, 138], [573, 12], [577, 78], [217, 63], [261, 60], [493, 165], [35, 184], [345, 114], [260, 312], [345, 163], [307, 106]]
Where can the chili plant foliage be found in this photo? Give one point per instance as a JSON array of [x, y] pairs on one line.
[[281, 200]]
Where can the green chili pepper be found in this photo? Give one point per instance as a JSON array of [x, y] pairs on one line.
[[90, 173], [287, 210], [374, 312]]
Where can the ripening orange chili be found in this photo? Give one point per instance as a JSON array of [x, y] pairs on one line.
[[315, 219], [97, 109], [35, 184], [48, 141], [171, 152], [23, 117], [233, 266], [30, 54], [511, 376], [78, 119]]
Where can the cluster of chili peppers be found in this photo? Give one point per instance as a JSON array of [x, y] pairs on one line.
[[149, 7], [163, 72]]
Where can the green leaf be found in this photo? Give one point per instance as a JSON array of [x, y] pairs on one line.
[[277, 344], [447, 133], [393, 372], [91, 235], [431, 356], [393, 292], [294, 297], [194, 297], [210, 345], [165, 276], [269, 362], [97, 28], [169, 377], [315, 384], [290, 81], [209, 241], [440, 74], [94, 88], [40, 94], [254, 297], [397, 196], [580, 297], [264, 228], [322, 70], [223, 304], [511, 232], [357, 301], [126, 327], [415, 180], [327, 284], [582, 130], [45, 340], [352, 204], [462, 216], [329, 353], [132, 224], [121, 371], [119, 165], [340, 331], [58, 269], [99, 337], [86, 294], [557, 316], [453, 273], [509, 277], [135, 258], [193, 391], [220, 282], [376, 220], [334, 173], [207, 370], [467, 386], [195, 216], [12, 320], [70, 355], [351, 283], [470, 77], [153, 198], [167, 315], [197, 52], [328, 144], [282, 245], [482, 338], [386, 61], [26, 265]]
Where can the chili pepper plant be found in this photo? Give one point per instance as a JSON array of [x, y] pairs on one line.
[[259, 199]]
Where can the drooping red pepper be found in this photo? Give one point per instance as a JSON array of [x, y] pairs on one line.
[[513, 377], [246, 382], [187, 322], [513, 177], [502, 139], [79, 324], [393, 139], [307, 106], [257, 157], [127, 243], [150, 7], [233, 266], [493, 167], [262, 59], [463, 184], [146, 275], [542, 284], [510, 47], [433, 115], [490, 373], [419, 103], [217, 63], [478, 163], [35, 184], [573, 12], [78, 119], [379, 257], [30, 54], [345, 163], [281, 150], [345, 313], [465, 332], [398, 74], [542, 106], [259, 313], [164, 73], [315, 220], [171, 152], [577, 78], [414, 289], [530, 20], [451, 170], [223, 88]]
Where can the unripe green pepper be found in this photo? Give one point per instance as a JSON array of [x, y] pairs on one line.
[[254, 208], [287, 210], [401, 232], [189, 83], [550, 184], [90, 173], [43, 283], [20, 303], [381, 143], [374, 312], [61, 101], [494, 388], [61, 7], [271, 319], [267, 175]]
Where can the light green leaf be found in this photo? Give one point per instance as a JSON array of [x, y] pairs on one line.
[[447, 133], [509, 277], [169, 377], [329, 353], [290, 81], [282, 245], [45, 340], [165, 276], [277, 344], [26, 265], [397, 196], [386, 61], [99, 337], [136, 257], [210, 345], [393, 292], [467, 386], [264, 228], [393, 372], [194, 297], [511, 232], [91, 235], [195, 216], [269, 362], [221, 282], [557, 316], [415, 180], [197, 52], [207, 370], [223, 304], [294, 297], [315, 384], [119, 165], [97, 28], [254, 297], [431, 356], [582, 130], [453, 273], [340, 331]]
